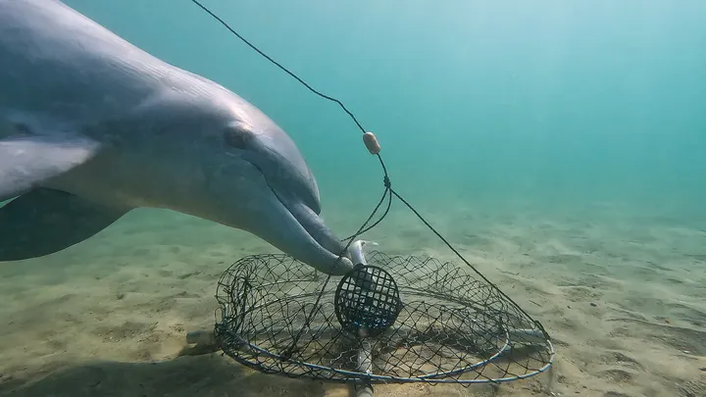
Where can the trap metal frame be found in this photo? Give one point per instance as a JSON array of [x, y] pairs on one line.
[[280, 316]]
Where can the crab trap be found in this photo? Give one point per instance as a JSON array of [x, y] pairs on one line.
[[391, 319]]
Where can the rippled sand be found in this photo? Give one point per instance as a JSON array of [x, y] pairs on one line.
[[622, 296]]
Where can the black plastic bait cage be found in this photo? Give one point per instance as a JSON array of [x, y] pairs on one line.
[[393, 319]]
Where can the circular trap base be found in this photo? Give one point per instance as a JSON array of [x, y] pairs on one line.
[[450, 326]]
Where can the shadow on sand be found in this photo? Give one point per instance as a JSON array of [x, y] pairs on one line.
[[192, 376]]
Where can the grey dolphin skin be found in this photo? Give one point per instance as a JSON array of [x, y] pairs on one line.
[[92, 127]]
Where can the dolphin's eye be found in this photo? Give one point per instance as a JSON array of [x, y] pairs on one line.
[[237, 137]]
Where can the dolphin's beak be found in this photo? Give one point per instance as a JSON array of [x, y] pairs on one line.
[[316, 228], [322, 245], [292, 223], [302, 234]]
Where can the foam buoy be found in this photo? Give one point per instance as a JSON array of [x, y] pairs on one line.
[[371, 142]]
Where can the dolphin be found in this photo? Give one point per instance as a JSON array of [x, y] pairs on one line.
[[92, 127]]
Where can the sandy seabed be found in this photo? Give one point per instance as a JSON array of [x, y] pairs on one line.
[[622, 297]]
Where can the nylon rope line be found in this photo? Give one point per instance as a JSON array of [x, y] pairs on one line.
[[388, 185]]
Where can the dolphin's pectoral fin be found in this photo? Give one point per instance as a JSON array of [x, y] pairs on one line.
[[26, 162], [46, 221]]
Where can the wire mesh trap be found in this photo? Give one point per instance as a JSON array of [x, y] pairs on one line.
[[399, 319], [393, 320]]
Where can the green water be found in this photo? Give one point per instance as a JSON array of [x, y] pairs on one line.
[[551, 102]]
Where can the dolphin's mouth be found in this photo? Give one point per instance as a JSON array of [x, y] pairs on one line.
[[314, 226], [319, 233], [305, 235]]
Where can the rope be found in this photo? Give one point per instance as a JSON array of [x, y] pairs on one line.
[[389, 191]]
